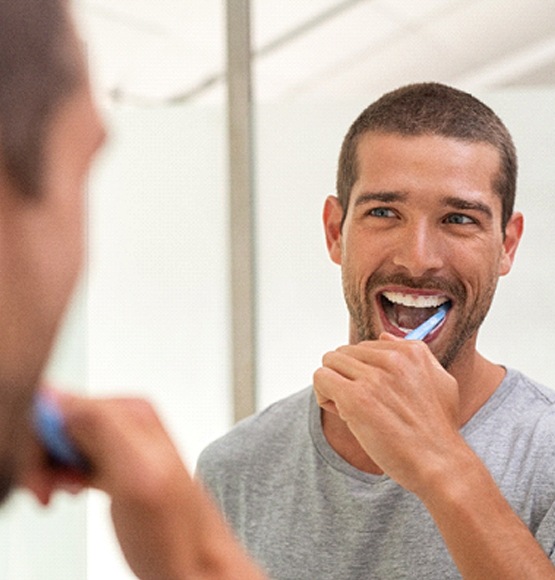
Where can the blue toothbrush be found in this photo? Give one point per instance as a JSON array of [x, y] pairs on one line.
[[422, 331], [48, 422]]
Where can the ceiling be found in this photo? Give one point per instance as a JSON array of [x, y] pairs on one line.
[[147, 52]]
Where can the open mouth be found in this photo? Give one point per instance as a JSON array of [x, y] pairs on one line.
[[405, 312]]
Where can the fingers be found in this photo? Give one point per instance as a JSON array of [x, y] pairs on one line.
[[340, 370], [348, 362], [124, 441], [130, 451], [43, 482], [353, 376], [387, 354], [326, 384], [340, 395]]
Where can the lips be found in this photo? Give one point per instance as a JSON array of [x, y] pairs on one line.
[[405, 311]]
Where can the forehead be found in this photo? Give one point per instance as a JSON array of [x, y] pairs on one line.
[[426, 164]]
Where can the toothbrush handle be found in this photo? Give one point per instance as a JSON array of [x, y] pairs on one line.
[[49, 425], [420, 332]]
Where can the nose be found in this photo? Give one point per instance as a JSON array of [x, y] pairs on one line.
[[419, 249]]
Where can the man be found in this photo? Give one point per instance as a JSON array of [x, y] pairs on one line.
[[410, 459], [49, 134]]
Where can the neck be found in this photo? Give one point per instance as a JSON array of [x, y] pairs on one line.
[[478, 379]]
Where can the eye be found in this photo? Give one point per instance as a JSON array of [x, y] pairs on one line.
[[380, 212], [459, 219]]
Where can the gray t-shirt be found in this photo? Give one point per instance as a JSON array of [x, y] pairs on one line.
[[305, 513]]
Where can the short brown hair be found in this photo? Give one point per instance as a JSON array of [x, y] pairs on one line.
[[40, 65], [433, 109]]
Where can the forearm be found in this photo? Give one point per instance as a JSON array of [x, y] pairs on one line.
[[483, 534], [169, 527], [166, 523]]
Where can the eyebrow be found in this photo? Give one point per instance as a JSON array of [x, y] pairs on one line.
[[466, 204], [450, 201], [383, 196]]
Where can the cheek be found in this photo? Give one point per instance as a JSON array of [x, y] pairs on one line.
[[71, 215], [68, 240], [353, 267], [481, 282], [76, 246]]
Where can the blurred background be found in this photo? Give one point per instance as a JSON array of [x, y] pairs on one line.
[[154, 312]]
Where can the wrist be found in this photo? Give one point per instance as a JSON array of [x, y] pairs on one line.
[[452, 477]]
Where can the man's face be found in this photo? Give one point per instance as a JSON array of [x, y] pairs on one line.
[[41, 250], [422, 228]]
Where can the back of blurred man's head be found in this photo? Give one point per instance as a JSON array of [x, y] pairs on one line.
[[39, 67], [41, 70]]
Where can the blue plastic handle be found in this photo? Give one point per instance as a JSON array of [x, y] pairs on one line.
[[49, 425], [422, 331]]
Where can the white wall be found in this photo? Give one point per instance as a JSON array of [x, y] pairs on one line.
[[157, 310], [518, 331]]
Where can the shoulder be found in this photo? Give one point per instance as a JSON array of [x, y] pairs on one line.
[[270, 431], [530, 410], [532, 388], [517, 422], [525, 398]]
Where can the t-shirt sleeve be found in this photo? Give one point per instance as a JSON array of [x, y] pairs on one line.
[[207, 472]]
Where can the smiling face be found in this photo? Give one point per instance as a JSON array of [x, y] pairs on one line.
[[423, 227]]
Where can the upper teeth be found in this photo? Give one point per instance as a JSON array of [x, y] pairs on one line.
[[414, 300]]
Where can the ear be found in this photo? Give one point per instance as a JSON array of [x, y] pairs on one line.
[[513, 234], [333, 214]]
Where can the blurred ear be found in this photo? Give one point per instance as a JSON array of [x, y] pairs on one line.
[[333, 214], [513, 234]]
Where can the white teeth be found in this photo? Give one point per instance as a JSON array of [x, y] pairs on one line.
[[414, 300]]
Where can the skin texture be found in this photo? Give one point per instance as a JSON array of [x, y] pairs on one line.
[[424, 219]]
